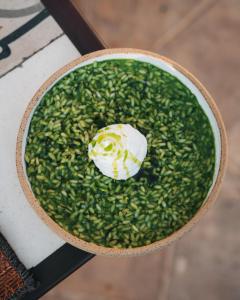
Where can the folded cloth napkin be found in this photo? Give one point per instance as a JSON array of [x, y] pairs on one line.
[[15, 280]]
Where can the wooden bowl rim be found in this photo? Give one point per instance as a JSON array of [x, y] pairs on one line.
[[91, 247]]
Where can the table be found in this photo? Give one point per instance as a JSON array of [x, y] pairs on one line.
[[50, 258]]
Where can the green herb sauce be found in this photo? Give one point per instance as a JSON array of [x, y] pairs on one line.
[[175, 176]]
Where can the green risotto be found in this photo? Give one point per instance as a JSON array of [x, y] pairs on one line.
[[174, 178]]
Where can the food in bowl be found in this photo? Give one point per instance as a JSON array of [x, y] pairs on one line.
[[173, 180]]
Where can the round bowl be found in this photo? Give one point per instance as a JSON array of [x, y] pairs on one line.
[[205, 101]]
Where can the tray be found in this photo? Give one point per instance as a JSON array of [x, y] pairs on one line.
[[50, 258]]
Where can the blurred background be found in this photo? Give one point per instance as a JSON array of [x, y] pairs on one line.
[[204, 37]]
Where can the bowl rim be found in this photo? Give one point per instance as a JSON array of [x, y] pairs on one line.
[[89, 246]]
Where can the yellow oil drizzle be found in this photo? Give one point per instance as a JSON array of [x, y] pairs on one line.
[[114, 148], [115, 169], [134, 159], [124, 163]]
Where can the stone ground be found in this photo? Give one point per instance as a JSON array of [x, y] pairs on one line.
[[203, 36]]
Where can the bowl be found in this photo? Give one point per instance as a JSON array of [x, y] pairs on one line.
[[204, 99]]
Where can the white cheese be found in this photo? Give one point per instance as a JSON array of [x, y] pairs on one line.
[[118, 150]]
